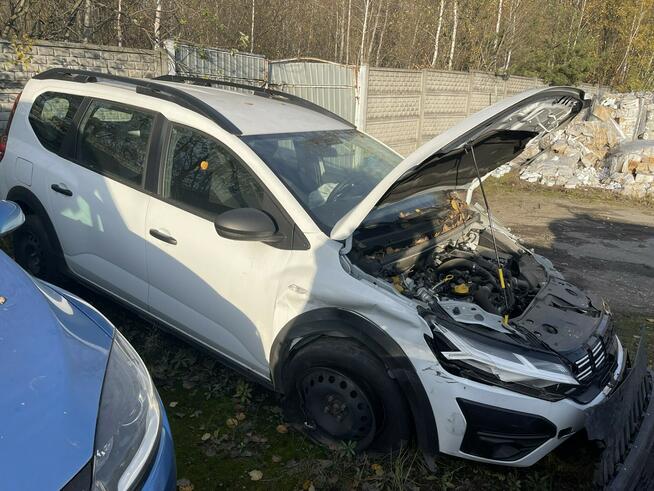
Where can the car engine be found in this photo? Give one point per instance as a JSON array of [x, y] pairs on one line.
[[456, 263], [460, 273]]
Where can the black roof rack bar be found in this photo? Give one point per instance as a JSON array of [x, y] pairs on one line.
[[145, 87], [257, 90]]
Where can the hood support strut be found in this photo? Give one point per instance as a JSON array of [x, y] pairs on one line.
[[500, 271]]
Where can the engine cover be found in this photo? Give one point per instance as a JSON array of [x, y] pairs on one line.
[[566, 319]]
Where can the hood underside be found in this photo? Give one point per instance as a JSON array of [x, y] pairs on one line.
[[496, 134]]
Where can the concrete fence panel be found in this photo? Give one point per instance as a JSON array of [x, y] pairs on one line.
[[445, 101], [394, 107], [41, 55]]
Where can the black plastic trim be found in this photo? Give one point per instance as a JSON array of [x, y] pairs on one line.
[[82, 480], [334, 322], [144, 87], [155, 152], [502, 434]]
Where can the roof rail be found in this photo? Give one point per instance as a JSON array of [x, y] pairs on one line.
[[257, 90], [145, 87]]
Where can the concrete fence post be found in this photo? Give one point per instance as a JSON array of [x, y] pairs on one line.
[[169, 49], [361, 98], [421, 110], [469, 98]]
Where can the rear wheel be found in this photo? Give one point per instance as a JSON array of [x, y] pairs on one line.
[[33, 249], [339, 392]]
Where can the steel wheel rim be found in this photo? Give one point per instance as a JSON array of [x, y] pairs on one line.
[[32, 252], [337, 406]]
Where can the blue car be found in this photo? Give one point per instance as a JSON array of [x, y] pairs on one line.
[[78, 409]]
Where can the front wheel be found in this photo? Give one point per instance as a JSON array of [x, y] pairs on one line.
[[341, 393]]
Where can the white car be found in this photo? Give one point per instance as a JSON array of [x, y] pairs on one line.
[[361, 285]]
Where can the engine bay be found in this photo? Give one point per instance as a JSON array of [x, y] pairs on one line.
[[457, 263], [469, 274]]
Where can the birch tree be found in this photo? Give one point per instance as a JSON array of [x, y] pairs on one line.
[[633, 32], [374, 30], [119, 26], [87, 21], [17, 9], [381, 35], [439, 26], [252, 30], [498, 23], [347, 38], [366, 10], [455, 25], [157, 24]]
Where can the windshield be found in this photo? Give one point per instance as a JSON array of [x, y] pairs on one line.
[[329, 172]]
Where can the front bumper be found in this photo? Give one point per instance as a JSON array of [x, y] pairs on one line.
[[623, 426], [162, 475], [520, 430]]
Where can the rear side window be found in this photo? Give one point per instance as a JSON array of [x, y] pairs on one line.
[[199, 172], [52, 116], [114, 141]]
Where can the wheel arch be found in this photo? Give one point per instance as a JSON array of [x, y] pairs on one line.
[[31, 205], [333, 322]]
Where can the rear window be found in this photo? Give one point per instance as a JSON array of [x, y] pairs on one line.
[[52, 116], [114, 141]]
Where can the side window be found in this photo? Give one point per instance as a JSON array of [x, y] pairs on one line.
[[114, 140], [51, 118], [201, 173]]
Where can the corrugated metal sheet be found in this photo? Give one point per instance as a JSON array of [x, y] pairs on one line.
[[221, 64], [329, 85]]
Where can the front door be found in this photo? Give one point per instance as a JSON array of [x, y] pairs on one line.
[[97, 203], [219, 291]]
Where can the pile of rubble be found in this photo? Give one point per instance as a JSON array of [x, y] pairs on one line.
[[609, 145]]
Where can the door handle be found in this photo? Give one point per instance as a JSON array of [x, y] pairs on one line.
[[164, 237], [61, 189]]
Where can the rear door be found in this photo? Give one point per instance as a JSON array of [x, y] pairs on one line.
[[219, 291], [96, 199]]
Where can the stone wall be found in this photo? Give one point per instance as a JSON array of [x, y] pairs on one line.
[[19, 62]]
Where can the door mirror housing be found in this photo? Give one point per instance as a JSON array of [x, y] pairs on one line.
[[11, 217], [248, 224]]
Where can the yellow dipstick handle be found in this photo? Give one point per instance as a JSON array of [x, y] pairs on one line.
[[501, 275]]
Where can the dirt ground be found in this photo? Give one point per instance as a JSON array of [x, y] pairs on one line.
[[605, 246]]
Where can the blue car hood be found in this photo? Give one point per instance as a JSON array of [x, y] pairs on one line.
[[53, 355]]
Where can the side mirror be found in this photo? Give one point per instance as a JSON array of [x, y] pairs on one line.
[[247, 224], [11, 217]]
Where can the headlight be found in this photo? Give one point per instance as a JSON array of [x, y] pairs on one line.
[[128, 421], [505, 365]]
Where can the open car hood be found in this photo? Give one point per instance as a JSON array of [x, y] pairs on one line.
[[496, 134]]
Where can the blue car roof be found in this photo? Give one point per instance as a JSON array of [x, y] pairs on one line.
[[53, 356]]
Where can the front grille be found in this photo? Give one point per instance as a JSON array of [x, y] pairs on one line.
[[592, 362]]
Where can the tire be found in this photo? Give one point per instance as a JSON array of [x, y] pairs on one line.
[[33, 250], [338, 392]]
